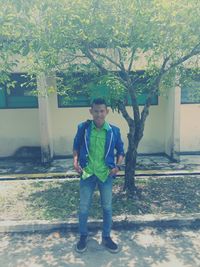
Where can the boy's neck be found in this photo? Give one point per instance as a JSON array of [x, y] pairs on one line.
[[98, 125]]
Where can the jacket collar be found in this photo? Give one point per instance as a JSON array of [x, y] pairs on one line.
[[105, 126], [109, 137]]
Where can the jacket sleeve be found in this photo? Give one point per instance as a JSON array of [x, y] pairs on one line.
[[77, 139], [119, 144]]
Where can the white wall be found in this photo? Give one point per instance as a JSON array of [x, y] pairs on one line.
[[190, 127], [18, 127], [65, 121], [153, 140]]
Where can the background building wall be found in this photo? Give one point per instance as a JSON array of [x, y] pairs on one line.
[[18, 128], [190, 127], [65, 121]]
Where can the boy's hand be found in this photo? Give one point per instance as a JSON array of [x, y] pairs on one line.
[[77, 167], [114, 171]]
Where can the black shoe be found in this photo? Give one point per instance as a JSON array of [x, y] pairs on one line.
[[110, 245], [81, 246]]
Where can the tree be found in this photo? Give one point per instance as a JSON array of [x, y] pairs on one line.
[[109, 38], [8, 41]]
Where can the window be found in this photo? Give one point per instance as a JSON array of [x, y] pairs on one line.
[[79, 97], [83, 83], [18, 92], [190, 86], [190, 93]]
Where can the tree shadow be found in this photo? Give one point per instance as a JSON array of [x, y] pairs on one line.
[[172, 194], [145, 247], [59, 201]]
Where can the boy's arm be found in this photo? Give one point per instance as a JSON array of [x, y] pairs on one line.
[[120, 148], [120, 159], [120, 154], [77, 167], [118, 164]]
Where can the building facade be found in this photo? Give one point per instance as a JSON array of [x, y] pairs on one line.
[[172, 126]]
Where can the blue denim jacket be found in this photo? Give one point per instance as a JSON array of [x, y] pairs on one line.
[[113, 141]]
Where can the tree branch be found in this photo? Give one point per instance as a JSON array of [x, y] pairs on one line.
[[194, 52], [106, 57], [69, 60], [120, 60], [155, 86], [145, 111], [165, 61], [134, 103], [125, 114], [95, 62], [131, 61]]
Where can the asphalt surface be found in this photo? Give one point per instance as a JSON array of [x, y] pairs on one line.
[[141, 247]]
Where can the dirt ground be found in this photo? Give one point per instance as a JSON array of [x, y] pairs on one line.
[[144, 247]]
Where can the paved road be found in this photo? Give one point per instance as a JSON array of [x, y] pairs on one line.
[[144, 247]]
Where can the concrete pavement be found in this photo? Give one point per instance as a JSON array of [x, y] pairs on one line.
[[145, 163], [141, 247]]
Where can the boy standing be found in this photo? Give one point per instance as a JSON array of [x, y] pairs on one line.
[[93, 152]]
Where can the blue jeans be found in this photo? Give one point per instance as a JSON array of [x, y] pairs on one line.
[[87, 188]]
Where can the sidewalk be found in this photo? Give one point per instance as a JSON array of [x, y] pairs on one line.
[[63, 168]]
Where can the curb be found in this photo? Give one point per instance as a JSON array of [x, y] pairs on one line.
[[119, 222], [64, 175]]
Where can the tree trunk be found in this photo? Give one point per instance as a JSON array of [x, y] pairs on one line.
[[130, 165]]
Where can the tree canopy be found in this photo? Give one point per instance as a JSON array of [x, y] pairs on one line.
[[107, 35]]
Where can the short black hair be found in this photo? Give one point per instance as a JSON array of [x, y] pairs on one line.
[[98, 101]]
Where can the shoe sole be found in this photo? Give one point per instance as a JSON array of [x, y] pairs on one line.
[[80, 251], [83, 250], [111, 250]]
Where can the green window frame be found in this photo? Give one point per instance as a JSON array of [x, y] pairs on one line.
[[19, 95], [82, 100]]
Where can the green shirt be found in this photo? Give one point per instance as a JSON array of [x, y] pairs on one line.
[[96, 161]]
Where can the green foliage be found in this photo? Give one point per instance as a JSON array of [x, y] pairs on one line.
[[167, 82], [115, 89], [191, 78], [99, 37]]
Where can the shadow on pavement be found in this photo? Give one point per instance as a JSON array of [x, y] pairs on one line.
[[142, 248]]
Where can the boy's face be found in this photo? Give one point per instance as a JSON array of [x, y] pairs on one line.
[[99, 113]]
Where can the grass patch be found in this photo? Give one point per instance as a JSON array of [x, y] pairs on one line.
[[59, 199]]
